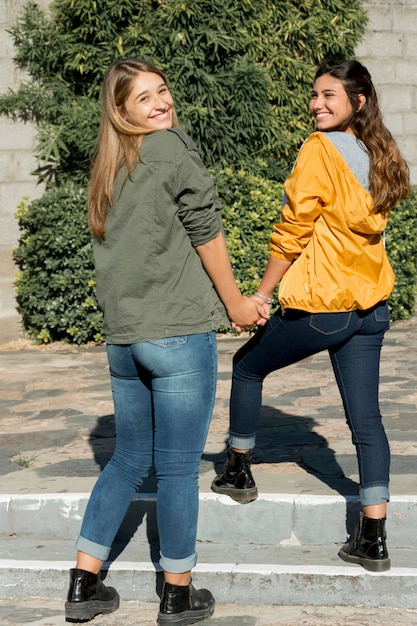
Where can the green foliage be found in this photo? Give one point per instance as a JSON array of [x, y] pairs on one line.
[[240, 71], [241, 74], [56, 285], [401, 246], [252, 204]]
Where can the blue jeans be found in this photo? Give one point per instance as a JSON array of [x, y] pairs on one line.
[[354, 341], [163, 394]]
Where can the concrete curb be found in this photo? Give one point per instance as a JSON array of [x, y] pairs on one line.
[[265, 583], [280, 549], [273, 519]]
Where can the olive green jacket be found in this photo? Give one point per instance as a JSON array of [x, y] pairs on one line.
[[150, 280]]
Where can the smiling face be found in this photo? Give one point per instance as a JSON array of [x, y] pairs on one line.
[[149, 104], [330, 104]]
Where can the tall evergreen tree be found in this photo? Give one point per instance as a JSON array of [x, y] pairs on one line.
[[240, 71]]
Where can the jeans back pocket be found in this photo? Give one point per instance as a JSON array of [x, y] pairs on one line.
[[330, 323], [170, 342], [381, 312]]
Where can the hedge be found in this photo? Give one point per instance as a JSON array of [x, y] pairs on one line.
[[56, 284]]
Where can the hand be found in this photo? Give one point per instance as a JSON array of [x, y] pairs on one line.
[[247, 313], [267, 308]]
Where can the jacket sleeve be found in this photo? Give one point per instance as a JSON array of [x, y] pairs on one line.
[[199, 207], [306, 191]]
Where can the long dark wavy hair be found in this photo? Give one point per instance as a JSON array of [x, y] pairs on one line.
[[389, 176]]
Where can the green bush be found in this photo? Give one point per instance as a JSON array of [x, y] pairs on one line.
[[241, 74], [56, 286], [401, 245], [251, 205]]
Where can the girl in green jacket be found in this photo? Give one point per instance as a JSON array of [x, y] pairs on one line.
[[165, 285]]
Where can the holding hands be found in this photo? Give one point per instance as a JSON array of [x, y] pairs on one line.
[[249, 312], [243, 312]]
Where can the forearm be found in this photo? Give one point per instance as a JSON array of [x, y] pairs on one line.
[[243, 312], [216, 262], [274, 271]]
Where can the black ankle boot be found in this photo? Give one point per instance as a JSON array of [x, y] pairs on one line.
[[184, 605], [236, 480], [87, 596], [367, 546]]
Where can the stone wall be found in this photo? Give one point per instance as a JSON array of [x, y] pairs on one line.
[[389, 50], [16, 164]]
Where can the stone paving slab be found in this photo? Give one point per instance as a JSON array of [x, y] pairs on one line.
[[39, 611], [56, 419]]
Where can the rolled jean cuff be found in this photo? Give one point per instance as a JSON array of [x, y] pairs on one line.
[[241, 443], [178, 566], [92, 549], [370, 496]]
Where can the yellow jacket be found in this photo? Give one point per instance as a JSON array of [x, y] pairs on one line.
[[328, 231]]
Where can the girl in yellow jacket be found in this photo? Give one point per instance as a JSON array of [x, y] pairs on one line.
[[328, 255]]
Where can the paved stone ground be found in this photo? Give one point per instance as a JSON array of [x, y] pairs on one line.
[[38, 612], [56, 419]]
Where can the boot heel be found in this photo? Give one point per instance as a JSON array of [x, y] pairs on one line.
[[88, 597], [243, 496], [368, 564], [84, 611]]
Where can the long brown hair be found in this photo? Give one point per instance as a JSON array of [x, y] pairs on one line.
[[118, 142], [389, 176]]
